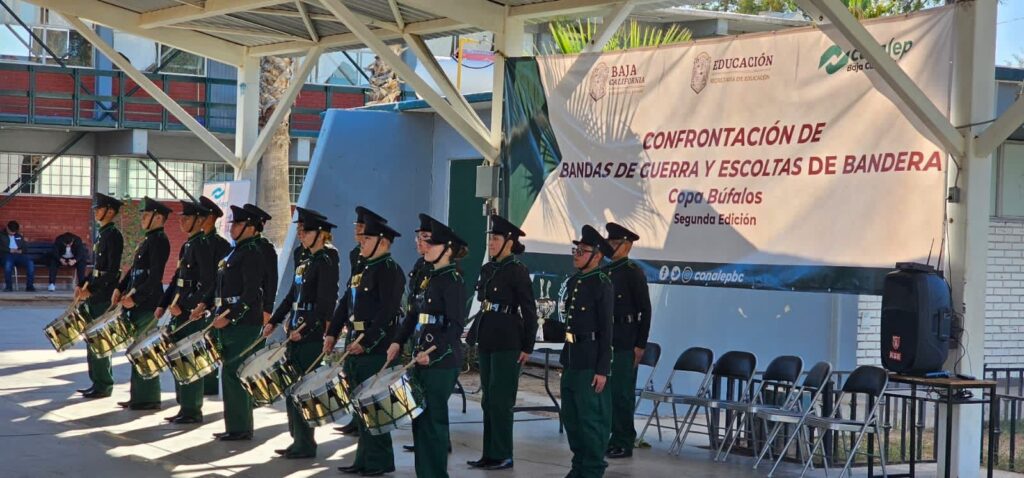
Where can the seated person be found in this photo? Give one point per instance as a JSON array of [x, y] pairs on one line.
[[12, 248], [68, 251]]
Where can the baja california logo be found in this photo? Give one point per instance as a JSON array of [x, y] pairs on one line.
[[701, 69], [599, 81]]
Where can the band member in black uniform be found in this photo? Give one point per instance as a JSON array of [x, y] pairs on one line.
[[356, 263], [371, 307], [632, 317], [96, 288], [419, 273], [269, 257], [587, 356], [437, 320], [219, 247], [308, 308], [237, 311], [300, 253], [506, 330], [145, 278], [192, 282]]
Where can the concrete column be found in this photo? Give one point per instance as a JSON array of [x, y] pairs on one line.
[[247, 119], [973, 102]]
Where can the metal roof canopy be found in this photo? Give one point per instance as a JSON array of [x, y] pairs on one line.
[[237, 32]]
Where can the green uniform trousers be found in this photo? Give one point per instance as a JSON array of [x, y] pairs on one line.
[[234, 339], [499, 383], [622, 388], [189, 396], [430, 429], [374, 452], [101, 374], [211, 383], [301, 355], [587, 416], [143, 390]]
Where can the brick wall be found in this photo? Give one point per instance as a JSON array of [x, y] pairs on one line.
[[43, 218], [1004, 307]]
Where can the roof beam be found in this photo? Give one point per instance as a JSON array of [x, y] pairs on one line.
[[301, 7], [212, 8], [242, 32], [453, 95], [479, 13], [612, 21], [344, 40], [568, 7], [127, 21], [999, 131], [406, 73], [845, 30], [277, 12], [154, 91], [283, 107]]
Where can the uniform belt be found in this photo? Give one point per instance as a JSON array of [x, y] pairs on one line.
[[358, 326], [303, 307], [428, 319], [99, 273], [137, 272], [626, 319], [186, 283], [219, 301], [499, 308], [573, 338]]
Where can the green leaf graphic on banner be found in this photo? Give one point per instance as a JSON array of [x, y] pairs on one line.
[[834, 59]]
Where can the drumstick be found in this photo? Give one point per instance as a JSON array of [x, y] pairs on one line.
[[221, 316], [340, 360], [78, 297], [406, 367], [174, 302]]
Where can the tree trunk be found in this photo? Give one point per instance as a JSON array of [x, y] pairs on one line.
[[385, 86], [275, 75]]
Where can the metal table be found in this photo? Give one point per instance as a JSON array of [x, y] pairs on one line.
[[549, 349]]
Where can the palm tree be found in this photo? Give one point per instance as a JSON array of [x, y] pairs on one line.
[[573, 36], [275, 75]]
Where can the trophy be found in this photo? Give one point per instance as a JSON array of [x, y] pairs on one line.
[[545, 306]]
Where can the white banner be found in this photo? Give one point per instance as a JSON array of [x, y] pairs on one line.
[[744, 154], [227, 194]]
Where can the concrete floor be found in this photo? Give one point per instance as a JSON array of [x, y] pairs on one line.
[[49, 431]]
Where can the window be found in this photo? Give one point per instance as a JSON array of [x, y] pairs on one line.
[[144, 178], [64, 176], [180, 62], [1008, 181], [296, 175]]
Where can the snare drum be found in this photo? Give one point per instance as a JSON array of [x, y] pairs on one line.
[[266, 374], [322, 396], [112, 331], [387, 401], [65, 330], [193, 358], [147, 353]]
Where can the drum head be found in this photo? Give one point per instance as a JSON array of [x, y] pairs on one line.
[[103, 321], [187, 343], [381, 383], [261, 360], [149, 340], [315, 379]]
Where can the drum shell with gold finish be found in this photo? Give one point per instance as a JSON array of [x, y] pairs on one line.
[[147, 354], [322, 396], [193, 358], [65, 330], [111, 332], [393, 401], [267, 374]]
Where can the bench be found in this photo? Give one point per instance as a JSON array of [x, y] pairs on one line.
[[40, 252]]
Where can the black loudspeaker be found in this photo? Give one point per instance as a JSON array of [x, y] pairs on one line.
[[917, 313]]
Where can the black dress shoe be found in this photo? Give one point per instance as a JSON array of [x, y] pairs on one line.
[[144, 406], [618, 453], [376, 472], [96, 394], [348, 429], [482, 462], [185, 420], [220, 434], [238, 436], [124, 404], [281, 451], [499, 465], [85, 391], [351, 469], [172, 418], [409, 447], [295, 455]]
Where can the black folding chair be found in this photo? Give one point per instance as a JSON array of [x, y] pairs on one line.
[[695, 360], [781, 374], [734, 365], [793, 413], [865, 380]]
